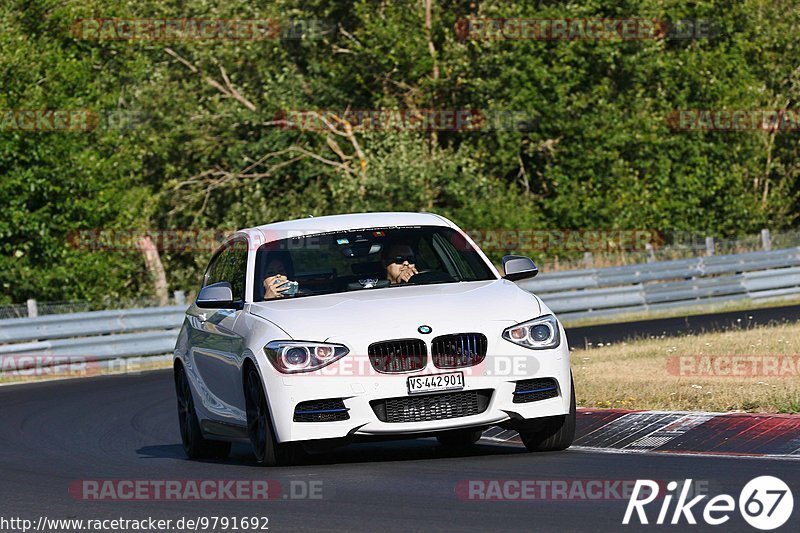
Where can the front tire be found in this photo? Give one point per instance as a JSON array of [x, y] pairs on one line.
[[266, 448], [553, 433], [194, 444]]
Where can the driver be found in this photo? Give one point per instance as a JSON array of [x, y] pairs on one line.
[[399, 261]]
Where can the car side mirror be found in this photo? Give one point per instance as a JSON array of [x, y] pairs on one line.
[[216, 296], [519, 267]]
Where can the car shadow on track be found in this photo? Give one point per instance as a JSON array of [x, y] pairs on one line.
[[389, 451]]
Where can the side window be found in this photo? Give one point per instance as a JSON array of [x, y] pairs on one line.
[[230, 265], [216, 271], [426, 257], [467, 264], [237, 269]]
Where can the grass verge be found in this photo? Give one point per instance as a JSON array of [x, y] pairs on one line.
[[127, 367], [647, 373]]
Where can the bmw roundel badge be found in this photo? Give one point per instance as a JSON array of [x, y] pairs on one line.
[[424, 329]]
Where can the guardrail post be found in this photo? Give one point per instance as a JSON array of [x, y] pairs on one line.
[[180, 297], [709, 245], [651, 253], [33, 308], [588, 259], [766, 241]]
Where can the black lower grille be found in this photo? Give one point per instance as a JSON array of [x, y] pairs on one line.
[[533, 390], [431, 406], [401, 355], [459, 350], [330, 410]]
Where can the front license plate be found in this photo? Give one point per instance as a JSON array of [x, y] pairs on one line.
[[436, 382]]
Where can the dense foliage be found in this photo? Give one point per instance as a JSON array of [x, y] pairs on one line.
[[187, 136]]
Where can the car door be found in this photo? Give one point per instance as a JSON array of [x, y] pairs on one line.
[[216, 347]]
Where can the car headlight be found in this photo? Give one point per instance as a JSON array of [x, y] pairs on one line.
[[538, 334], [291, 357]]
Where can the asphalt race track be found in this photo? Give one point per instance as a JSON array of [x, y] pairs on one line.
[[53, 435], [580, 337]]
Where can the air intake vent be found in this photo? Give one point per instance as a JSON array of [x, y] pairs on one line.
[[402, 355], [533, 390], [432, 406], [330, 410], [459, 350]]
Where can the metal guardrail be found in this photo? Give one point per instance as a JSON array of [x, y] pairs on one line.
[[89, 323], [98, 337], [668, 284], [106, 336]]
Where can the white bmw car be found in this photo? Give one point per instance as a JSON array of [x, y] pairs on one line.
[[322, 331]]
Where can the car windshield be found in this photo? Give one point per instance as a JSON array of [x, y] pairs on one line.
[[368, 259]]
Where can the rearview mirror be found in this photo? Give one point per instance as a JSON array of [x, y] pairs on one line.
[[519, 267], [217, 296], [361, 249]]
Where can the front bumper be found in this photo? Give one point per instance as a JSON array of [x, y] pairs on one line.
[[353, 380]]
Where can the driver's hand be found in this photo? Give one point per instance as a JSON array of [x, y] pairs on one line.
[[407, 273], [271, 286]]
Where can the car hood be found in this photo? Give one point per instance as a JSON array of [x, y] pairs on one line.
[[401, 310]]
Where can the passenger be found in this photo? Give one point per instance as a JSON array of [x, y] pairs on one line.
[[276, 275]]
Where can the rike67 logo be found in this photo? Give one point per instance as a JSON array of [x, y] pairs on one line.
[[765, 503]]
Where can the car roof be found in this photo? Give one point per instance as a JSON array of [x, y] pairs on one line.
[[354, 221]]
